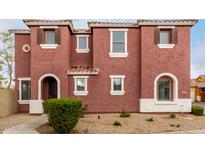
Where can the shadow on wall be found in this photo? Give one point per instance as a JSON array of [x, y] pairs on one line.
[[8, 102]]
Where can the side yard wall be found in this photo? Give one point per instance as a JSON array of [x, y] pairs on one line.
[[8, 102]]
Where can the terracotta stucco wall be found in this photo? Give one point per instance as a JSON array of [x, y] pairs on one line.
[[55, 61], [155, 61], [99, 98], [81, 59]]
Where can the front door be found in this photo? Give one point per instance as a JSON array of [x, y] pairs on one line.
[[49, 88]]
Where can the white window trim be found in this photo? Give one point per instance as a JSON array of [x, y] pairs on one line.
[[87, 44], [166, 45], [48, 27], [112, 92], [166, 27], [48, 46], [80, 93], [175, 89], [111, 54], [20, 92]]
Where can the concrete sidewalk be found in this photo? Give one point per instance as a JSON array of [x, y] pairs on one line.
[[198, 131], [27, 128]]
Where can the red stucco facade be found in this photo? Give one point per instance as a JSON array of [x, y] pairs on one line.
[[145, 61]]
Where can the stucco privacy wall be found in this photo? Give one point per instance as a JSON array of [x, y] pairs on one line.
[[8, 102]]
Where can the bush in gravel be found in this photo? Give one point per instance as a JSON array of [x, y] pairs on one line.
[[117, 123], [124, 114], [64, 114], [150, 119], [172, 116], [197, 110], [46, 106]]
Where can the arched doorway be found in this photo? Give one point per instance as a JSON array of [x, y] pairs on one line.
[[49, 88]]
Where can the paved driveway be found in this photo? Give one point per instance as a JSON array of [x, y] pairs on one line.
[[200, 104]]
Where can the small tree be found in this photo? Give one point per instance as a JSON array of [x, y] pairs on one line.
[[7, 57]]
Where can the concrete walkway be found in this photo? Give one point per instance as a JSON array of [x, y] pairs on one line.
[[27, 128], [199, 131]]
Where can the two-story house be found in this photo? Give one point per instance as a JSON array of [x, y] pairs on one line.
[[135, 67]]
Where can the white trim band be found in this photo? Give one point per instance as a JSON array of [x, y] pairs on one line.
[[152, 105], [166, 45], [48, 46]]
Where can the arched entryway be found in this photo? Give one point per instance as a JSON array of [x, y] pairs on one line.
[[48, 87]]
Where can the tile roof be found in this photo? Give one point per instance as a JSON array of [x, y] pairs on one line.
[[181, 22], [20, 31], [32, 22], [111, 24], [91, 24], [83, 70], [193, 82]]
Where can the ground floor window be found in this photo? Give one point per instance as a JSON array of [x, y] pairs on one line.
[[24, 88], [80, 85], [117, 84], [164, 89]]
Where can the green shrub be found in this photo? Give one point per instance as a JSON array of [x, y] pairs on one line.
[[117, 123], [178, 125], [64, 114], [46, 106], [172, 116], [197, 110], [150, 119], [124, 114], [173, 125]]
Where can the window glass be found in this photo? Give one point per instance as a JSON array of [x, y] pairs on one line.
[[118, 42], [82, 42], [164, 90], [25, 90], [117, 84], [50, 37], [164, 37], [80, 84]]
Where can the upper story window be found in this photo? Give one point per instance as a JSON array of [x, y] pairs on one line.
[[165, 36], [82, 44], [117, 84], [48, 37], [118, 43]]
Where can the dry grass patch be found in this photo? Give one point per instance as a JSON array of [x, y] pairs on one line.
[[136, 123]]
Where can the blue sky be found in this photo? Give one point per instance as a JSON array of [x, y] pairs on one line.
[[197, 39]]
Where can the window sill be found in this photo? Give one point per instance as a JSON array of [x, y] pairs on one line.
[[117, 92], [82, 50], [165, 102], [48, 46], [166, 45], [80, 93], [118, 55], [24, 101]]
